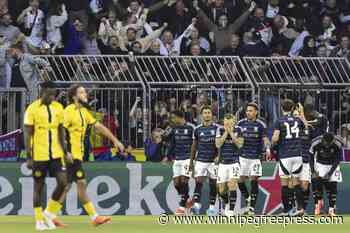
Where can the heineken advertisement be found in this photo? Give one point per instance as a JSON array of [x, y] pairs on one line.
[[136, 189]]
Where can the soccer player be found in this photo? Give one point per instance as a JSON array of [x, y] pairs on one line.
[[204, 152], [228, 142], [76, 120], [324, 162], [287, 130], [319, 126], [305, 176], [254, 132], [45, 147], [181, 139]]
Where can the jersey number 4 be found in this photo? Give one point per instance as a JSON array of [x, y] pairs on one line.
[[292, 132]]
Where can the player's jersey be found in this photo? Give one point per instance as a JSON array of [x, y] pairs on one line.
[[181, 138], [305, 145], [324, 155], [320, 126], [253, 133], [205, 136], [45, 120], [229, 152], [76, 121], [290, 142]]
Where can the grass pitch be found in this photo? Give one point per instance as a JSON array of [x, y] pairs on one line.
[[149, 224]]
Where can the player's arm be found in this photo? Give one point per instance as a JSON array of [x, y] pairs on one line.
[[28, 135], [336, 159], [62, 139], [108, 134], [193, 153], [237, 139], [220, 140], [313, 155]]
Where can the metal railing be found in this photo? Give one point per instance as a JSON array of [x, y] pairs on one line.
[[227, 83], [12, 105]]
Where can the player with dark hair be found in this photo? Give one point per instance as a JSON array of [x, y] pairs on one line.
[[319, 126], [45, 147], [287, 131], [204, 152], [181, 139], [324, 162], [228, 141], [254, 132], [76, 120]]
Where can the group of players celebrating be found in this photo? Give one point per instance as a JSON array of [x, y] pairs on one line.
[[230, 154], [54, 141]]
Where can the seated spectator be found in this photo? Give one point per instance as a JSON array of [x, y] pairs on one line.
[[10, 33], [224, 30], [253, 46], [56, 18], [154, 147], [32, 20], [343, 49], [328, 34], [234, 48], [309, 47], [194, 39]]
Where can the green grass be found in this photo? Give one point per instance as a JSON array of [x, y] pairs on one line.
[[149, 224]]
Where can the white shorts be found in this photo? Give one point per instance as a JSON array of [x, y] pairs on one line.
[[291, 167], [226, 172], [181, 168], [250, 167], [305, 173], [206, 169], [322, 170]]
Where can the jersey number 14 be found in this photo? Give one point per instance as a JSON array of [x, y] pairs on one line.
[[292, 132]]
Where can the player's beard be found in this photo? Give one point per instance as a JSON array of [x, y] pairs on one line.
[[84, 104]]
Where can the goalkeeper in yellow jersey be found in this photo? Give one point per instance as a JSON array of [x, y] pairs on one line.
[[44, 143], [76, 120]]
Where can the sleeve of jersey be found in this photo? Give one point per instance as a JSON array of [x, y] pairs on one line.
[[66, 118], [238, 130], [29, 116], [218, 134], [90, 119], [195, 136]]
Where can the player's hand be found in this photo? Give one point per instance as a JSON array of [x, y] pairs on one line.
[[314, 174], [30, 163], [190, 167], [216, 160], [69, 158], [119, 146], [268, 155]]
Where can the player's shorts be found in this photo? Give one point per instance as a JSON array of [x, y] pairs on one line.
[[43, 168], [181, 168], [75, 171], [206, 169], [290, 167], [323, 169], [305, 173], [227, 172], [250, 167]]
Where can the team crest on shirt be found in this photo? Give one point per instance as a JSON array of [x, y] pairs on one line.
[[202, 134], [186, 131], [79, 174], [212, 132], [37, 174], [256, 129]]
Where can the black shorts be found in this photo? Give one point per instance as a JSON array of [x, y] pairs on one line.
[[42, 168], [75, 171]]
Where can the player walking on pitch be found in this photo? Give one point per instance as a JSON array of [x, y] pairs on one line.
[[205, 153], [45, 147], [228, 142], [76, 120], [254, 132], [181, 139]]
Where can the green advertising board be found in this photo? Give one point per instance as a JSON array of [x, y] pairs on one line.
[[136, 189]]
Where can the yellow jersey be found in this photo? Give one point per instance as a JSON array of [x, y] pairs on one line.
[[76, 120], [45, 119]]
